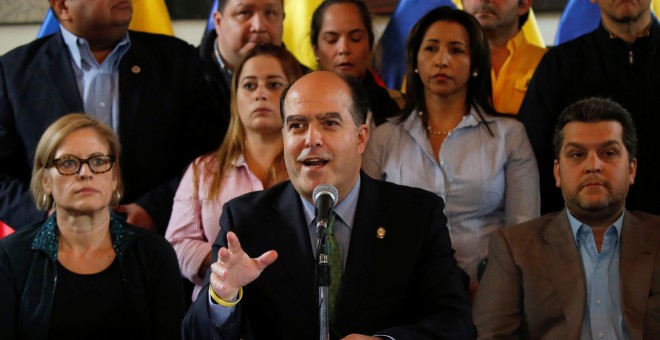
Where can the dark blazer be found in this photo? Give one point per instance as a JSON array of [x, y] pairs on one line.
[[534, 286], [406, 285], [167, 116]]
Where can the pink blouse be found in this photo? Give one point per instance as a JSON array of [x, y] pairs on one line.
[[195, 220]]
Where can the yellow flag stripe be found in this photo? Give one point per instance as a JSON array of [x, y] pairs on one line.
[[151, 16]]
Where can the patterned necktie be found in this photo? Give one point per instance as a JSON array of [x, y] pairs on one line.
[[336, 268]]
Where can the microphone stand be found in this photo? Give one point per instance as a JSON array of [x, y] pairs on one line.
[[323, 279]]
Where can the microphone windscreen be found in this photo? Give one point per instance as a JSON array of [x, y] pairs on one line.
[[325, 189]]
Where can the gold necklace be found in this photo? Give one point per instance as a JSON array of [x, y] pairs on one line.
[[439, 133]]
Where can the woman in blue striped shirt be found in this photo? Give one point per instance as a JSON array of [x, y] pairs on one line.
[[451, 141]]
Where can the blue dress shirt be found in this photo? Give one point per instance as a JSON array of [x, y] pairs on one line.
[[602, 311], [98, 83]]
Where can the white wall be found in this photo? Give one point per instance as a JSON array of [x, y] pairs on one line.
[[191, 31]]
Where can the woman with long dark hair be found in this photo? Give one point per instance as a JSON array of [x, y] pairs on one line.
[[451, 141]]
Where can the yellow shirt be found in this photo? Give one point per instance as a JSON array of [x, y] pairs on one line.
[[510, 85]]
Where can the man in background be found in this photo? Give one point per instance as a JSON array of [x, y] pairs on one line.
[[240, 25], [618, 60], [591, 270], [149, 88], [513, 59]]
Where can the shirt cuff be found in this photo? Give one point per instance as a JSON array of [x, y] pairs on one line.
[[220, 313]]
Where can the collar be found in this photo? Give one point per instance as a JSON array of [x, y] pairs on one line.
[[345, 209], [47, 238], [576, 225], [603, 35], [239, 161], [79, 48], [646, 34], [218, 58], [413, 124], [516, 43]]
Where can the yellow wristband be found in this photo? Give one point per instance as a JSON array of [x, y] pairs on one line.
[[222, 302]]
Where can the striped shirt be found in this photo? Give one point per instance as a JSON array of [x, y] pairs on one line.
[[195, 220], [487, 182]]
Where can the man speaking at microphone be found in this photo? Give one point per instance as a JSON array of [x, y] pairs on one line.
[[399, 279]]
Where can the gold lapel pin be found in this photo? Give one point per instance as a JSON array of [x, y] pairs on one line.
[[136, 69], [380, 233]]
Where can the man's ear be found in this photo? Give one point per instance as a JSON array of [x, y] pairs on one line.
[[60, 10], [633, 170], [524, 6], [555, 171], [363, 137], [217, 19]]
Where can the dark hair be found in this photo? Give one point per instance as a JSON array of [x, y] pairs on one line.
[[317, 19], [595, 110], [359, 106], [223, 3], [479, 88]]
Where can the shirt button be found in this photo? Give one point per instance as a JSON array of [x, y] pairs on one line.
[[102, 104], [600, 335], [598, 301]]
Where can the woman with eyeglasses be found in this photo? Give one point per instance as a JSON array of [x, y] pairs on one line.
[[83, 272]]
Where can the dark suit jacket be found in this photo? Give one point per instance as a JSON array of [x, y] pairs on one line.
[[167, 117], [406, 285], [534, 284]]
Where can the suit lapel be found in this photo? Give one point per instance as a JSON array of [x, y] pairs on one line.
[[132, 72], [59, 73], [636, 270], [565, 272], [290, 237]]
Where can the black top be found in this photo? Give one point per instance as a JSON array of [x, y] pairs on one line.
[[113, 314], [145, 272], [597, 65], [381, 104]]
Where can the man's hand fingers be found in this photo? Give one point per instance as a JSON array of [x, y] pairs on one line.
[[233, 244], [266, 259], [223, 255]]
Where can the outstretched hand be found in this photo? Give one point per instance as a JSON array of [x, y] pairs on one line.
[[235, 269]]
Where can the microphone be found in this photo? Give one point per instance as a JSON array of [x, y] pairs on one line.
[[325, 197]]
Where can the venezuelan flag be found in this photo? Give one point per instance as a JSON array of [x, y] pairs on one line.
[[297, 24]]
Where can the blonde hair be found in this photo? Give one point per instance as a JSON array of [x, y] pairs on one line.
[[52, 139], [233, 144]]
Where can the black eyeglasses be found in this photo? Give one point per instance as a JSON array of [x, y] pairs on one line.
[[70, 165]]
